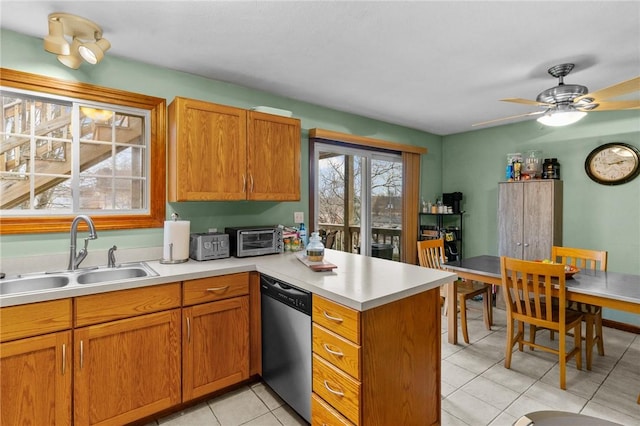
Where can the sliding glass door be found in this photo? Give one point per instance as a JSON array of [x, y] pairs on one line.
[[358, 199]]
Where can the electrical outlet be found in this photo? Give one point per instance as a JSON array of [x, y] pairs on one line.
[[298, 217], [213, 229]]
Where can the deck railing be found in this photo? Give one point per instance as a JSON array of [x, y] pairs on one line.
[[347, 238]]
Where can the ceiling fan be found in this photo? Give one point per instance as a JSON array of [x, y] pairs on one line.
[[567, 103]]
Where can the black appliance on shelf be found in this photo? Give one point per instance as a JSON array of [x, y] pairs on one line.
[[452, 199]]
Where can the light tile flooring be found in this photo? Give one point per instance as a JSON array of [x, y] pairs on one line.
[[476, 388]]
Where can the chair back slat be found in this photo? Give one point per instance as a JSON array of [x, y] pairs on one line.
[[595, 260], [431, 253], [529, 287]]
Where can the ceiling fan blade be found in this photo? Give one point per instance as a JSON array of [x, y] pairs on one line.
[[611, 106], [525, 101], [508, 118], [629, 86]]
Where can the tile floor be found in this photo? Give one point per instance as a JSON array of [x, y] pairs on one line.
[[476, 388]]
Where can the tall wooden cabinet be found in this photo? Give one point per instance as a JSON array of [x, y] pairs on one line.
[[529, 218], [218, 152]]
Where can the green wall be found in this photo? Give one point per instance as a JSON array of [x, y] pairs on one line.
[[25, 53], [473, 163], [594, 216]]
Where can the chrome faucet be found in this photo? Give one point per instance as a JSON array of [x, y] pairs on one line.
[[111, 257], [76, 258]]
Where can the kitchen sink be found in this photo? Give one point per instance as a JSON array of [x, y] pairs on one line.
[[47, 281], [124, 272], [24, 284]]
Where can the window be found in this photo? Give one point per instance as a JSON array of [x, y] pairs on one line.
[[70, 148]]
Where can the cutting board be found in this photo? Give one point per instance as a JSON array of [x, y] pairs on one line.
[[316, 266]]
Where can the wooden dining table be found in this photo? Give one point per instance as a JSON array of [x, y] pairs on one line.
[[608, 289]]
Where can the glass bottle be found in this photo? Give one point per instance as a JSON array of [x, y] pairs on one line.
[[315, 248]]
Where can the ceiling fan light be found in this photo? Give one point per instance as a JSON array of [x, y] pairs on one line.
[[55, 42], [562, 118], [93, 52]]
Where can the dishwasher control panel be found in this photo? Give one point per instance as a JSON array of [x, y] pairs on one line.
[[286, 293]]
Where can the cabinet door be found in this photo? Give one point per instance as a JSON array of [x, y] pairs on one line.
[[273, 157], [126, 369], [207, 151], [510, 219], [36, 380], [538, 219], [215, 346]]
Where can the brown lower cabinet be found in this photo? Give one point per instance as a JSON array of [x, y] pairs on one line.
[[128, 369], [377, 367], [35, 364], [36, 380], [215, 346]]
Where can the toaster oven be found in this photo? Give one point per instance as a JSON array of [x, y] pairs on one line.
[[255, 240]]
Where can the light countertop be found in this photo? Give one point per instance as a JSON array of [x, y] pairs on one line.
[[359, 282]]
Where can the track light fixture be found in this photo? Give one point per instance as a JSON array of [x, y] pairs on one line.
[[86, 40]]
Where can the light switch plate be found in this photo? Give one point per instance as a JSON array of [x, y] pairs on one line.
[[298, 217]]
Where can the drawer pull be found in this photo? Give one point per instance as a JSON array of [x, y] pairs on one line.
[[329, 317], [336, 353], [335, 392], [213, 289]]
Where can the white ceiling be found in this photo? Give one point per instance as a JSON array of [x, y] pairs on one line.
[[437, 66]]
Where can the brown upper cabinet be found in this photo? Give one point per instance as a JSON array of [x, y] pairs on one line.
[[223, 153]]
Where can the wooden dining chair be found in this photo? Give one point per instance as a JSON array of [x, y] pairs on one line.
[[527, 285], [594, 260], [431, 255]]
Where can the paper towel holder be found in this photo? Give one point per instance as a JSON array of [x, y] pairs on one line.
[[171, 260]]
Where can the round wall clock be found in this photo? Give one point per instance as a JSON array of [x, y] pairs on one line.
[[613, 163]]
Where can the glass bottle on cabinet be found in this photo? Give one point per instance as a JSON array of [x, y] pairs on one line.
[[447, 226]]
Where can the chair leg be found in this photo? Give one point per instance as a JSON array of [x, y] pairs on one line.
[[532, 334], [488, 311], [562, 354], [520, 336], [599, 334], [551, 334], [463, 319], [577, 341], [510, 342]]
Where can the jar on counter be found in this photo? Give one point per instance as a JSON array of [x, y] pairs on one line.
[[315, 248], [551, 168]]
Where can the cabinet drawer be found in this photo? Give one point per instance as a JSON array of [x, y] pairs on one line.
[[337, 388], [34, 319], [215, 288], [337, 350], [337, 318], [322, 414], [114, 305]]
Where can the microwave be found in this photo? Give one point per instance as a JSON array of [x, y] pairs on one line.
[[255, 240]]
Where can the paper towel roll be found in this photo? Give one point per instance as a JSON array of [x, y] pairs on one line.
[[176, 232]]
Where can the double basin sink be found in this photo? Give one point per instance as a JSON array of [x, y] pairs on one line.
[[56, 280]]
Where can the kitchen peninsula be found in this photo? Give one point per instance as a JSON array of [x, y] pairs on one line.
[[393, 308]]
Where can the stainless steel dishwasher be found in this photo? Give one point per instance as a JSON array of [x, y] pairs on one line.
[[286, 343]]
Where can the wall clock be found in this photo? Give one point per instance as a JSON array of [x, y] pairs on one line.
[[613, 163]]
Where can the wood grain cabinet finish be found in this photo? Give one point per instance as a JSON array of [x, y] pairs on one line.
[[218, 152], [127, 369], [398, 362], [529, 218], [215, 288], [36, 364], [215, 346], [35, 384]]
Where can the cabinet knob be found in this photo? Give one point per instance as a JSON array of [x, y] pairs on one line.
[[526, 244], [518, 244]]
